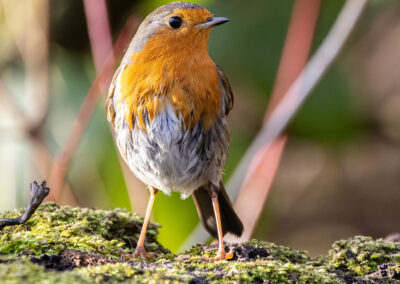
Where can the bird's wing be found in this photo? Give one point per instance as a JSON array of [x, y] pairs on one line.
[[110, 109], [227, 93]]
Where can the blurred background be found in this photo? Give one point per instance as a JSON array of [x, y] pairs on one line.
[[340, 170]]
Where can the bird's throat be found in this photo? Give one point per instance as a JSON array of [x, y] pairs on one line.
[[187, 80]]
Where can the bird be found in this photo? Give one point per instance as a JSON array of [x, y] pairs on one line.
[[168, 104]]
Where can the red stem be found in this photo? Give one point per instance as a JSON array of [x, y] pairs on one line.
[[262, 170], [63, 159]]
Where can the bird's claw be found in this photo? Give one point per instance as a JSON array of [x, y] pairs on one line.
[[221, 255], [142, 253]]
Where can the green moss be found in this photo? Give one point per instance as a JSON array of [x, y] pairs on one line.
[[281, 253], [98, 233], [362, 255], [114, 272], [53, 229], [23, 271], [393, 270], [279, 264]]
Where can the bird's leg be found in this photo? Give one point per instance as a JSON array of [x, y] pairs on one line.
[[221, 254], [140, 250]]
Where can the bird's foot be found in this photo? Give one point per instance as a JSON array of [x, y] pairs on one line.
[[142, 253], [221, 255]]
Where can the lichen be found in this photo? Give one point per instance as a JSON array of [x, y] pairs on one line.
[[75, 245]]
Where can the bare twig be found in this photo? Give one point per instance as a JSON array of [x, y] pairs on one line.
[[35, 54], [101, 45], [296, 49], [295, 96], [32, 43], [26, 129], [254, 193], [43, 158], [11, 106], [300, 89], [63, 160], [37, 195], [33, 47], [99, 31]]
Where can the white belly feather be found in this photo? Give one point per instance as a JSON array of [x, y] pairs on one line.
[[171, 158], [168, 156]]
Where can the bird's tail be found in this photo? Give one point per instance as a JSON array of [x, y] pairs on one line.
[[230, 221]]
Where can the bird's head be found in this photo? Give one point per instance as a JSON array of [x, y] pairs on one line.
[[173, 28]]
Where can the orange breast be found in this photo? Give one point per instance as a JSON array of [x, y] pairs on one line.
[[169, 71]]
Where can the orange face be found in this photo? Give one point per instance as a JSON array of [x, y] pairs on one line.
[[174, 67], [191, 18]]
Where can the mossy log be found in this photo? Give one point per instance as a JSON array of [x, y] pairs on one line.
[[79, 245]]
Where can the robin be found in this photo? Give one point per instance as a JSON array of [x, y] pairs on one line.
[[168, 103]]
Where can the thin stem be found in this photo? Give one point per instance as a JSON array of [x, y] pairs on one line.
[[295, 96], [63, 159], [300, 89], [295, 54]]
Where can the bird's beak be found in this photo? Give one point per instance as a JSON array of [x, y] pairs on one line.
[[212, 22]]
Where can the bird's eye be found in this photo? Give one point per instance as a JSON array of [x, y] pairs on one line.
[[175, 22]]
